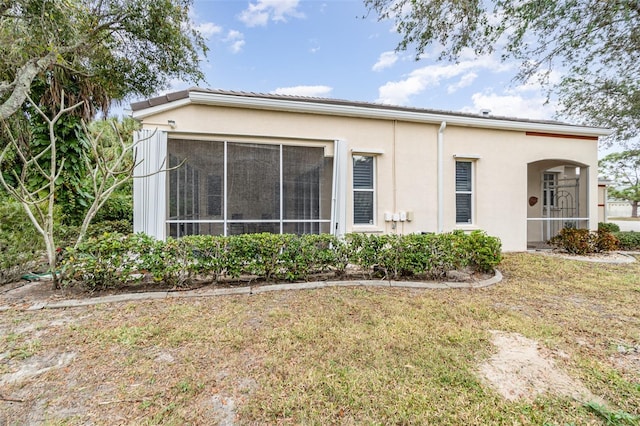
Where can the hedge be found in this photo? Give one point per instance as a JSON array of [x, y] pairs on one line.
[[113, 259], [628, 240]]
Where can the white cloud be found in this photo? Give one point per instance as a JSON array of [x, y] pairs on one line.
[[235, 39], [315, 46], [260, 13], [512, 105], [465, 81], [311, 91], [207, 29], [399, 92], [386, 60]]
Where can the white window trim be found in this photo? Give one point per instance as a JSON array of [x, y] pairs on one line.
[[361, 227], [472, 192], [225, 221]]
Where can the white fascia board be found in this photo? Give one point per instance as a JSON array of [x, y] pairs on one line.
[[381, 112], [140, 114]]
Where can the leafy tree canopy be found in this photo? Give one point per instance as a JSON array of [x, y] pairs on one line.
[[594, 44], [97, 50], [624, 169]]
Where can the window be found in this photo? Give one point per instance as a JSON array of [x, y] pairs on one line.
[[549, 185], [363, 190], [464, 191], [228, 188]]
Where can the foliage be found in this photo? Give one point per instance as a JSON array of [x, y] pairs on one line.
[[275, 257], [171, 262], [20, 244], [624, 169], [584, 241], [614, 418], [118, 207], [628, 240], [608, 226], [596, 51], [98, 51], [107, 261], [107, 169], [483, 251]]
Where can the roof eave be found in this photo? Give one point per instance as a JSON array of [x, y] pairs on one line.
[[373, 112]]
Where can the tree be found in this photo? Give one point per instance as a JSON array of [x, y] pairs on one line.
[[594, 44], [624, 169], [107, 50], [83, 53], [109, 164]]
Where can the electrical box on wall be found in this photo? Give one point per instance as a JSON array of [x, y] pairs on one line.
[[387, 217], [410, 215], [403, 216], [396, 217]]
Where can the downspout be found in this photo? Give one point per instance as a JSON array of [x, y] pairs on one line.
[[443, 126]]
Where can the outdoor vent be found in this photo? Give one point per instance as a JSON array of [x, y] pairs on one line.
[[485, 112]]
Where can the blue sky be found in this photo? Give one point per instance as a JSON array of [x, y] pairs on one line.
[[330, 48]]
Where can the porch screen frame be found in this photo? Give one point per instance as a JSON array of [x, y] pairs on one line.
[[281, 221]]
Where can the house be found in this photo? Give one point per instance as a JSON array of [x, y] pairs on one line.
[[246, 162]]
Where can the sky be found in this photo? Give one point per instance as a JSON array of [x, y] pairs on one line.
[[335, 49]]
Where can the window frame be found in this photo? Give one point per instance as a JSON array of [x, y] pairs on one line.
[[177, 226], [549, 192], [470, 193], [372, 190]]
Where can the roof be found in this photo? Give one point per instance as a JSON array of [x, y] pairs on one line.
[[327, 106]]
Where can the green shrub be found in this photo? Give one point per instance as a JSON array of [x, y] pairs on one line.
[[483, 252], [171, 261], [104, 261], [363, 251], [209, 255], [119, 206], [628, 240], [584, 241], [609, 227], [21, 246], [121, 226]]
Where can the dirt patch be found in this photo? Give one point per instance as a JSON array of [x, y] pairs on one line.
[[36, 366], [521, 370]]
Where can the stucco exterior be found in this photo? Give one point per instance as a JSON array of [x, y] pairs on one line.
[[508, 156]]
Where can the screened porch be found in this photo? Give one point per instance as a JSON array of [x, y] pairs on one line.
[[558, 198], [230, 188]]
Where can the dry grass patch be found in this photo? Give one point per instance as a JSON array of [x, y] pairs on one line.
[[337, 355]]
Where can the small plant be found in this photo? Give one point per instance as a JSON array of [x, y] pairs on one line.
[[107, 261], [628, 240], [20, 243], [613, 418], [584, 242], [609, 227]]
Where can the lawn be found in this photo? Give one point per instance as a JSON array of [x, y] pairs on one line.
[[330, 356]]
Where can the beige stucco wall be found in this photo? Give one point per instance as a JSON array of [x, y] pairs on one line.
[[406, 168]]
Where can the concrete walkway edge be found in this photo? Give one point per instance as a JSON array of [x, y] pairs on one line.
[[154, 295]]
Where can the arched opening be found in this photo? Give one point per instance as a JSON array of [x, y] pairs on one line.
[[557, 198]]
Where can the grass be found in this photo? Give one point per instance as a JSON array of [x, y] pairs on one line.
[[338, 355]]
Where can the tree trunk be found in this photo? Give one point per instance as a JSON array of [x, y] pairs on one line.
[[634, 209]]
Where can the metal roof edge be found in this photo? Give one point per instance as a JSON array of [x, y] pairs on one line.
[[361, 110]]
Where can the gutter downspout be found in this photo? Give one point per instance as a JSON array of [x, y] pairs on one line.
[[443, 126]]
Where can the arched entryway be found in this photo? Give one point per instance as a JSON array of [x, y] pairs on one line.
[[557, 198]]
